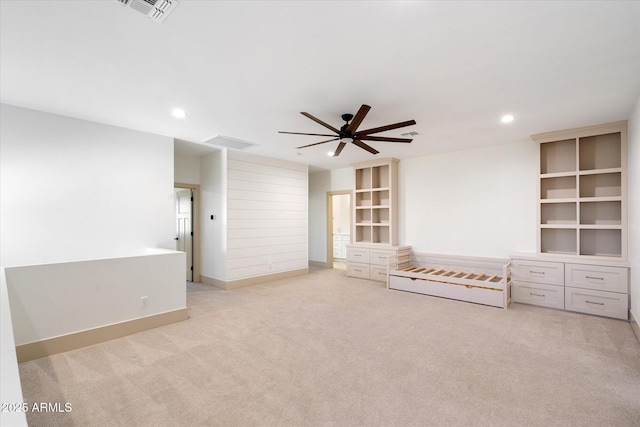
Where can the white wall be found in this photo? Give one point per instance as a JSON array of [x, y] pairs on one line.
[[53, 300], [267, 215], [187, 169], [213, 195], [633, 165], [341, 214], [319, 184], [478, 202], [10, 387], [76, 190]]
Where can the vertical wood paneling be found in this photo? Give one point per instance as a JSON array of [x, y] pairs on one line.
[[267, 215]]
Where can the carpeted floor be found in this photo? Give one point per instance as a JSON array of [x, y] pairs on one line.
[[324, 350]]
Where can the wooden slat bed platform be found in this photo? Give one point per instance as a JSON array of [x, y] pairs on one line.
[[472, 279]]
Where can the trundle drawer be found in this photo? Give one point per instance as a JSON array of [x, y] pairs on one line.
[[358, 270], [599, 278], [474, 294], [607, 304], [550, 273], [358, 255], [538, 294]]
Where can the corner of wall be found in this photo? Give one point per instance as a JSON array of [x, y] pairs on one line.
[[633, 220]]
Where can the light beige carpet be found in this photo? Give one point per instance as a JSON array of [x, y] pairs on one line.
[[324, 350]]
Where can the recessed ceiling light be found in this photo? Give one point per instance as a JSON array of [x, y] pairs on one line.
[[507, 118], [330, 153], [179, 113]]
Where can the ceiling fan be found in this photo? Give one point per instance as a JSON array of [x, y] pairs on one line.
[[349, 132]]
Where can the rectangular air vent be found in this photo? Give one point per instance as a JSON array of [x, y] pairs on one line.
[[228, 142], [156, 10]]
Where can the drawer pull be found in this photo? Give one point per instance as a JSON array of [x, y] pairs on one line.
[[358, 270], [591, 302], [536, 272], [357, 255], [536, 295], [595, 278]]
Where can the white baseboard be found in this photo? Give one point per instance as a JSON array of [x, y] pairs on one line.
[[249, 281], [48, 347]]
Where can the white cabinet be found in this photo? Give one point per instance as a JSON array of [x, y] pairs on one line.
[[538, 282], [582, 197], [370, 261], [340, 242], [593, 286]]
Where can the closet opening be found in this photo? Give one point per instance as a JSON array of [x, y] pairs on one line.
[[338, 228]]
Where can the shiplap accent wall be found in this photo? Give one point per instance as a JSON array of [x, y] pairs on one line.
[[267, 215]]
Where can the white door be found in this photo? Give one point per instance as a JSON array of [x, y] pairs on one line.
[[184, 235]]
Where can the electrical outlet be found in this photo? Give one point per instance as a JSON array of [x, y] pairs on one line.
[[144, 301]]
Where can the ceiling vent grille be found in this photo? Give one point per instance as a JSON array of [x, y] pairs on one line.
[[228, 142], [156, 10]]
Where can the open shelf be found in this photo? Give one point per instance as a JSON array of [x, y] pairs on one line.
[[601, 213], [605, 242], [559, 241], [363, 178], [558, 213], [601, 185], [600, 152], [582, 189], [563, 187], [558, 156], [380, 176]]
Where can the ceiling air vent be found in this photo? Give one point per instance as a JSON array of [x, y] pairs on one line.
[[228, 142], [156, 10]]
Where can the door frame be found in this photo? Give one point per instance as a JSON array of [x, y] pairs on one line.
[[330, 195], [195, 226]]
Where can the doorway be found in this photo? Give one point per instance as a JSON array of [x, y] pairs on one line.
[[186, 208], [338, 228]]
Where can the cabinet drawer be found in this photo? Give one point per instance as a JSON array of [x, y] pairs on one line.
[[599, 278], [549, 273], [538, 294], [607, 304], [378, 273], [358, 255], [355, 269], [380, 256]]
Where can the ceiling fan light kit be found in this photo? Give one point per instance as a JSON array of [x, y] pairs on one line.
[[349, 132]]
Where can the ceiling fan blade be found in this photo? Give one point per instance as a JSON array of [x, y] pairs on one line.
[[384, 139], [365, 146], [321, 142], [328, 126], [359, 117], [339, 149], [300, 133], [384, 128]]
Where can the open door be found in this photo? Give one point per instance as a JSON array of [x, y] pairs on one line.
[[184, 226], [338, 227]]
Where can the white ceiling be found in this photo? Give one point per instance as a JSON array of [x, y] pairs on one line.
[[246, 69]]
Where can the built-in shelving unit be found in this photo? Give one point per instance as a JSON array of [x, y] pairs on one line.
[[375, 220], [375, 202], [582, 191]]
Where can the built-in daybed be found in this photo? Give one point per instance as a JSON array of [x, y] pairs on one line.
[[472, 279]]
